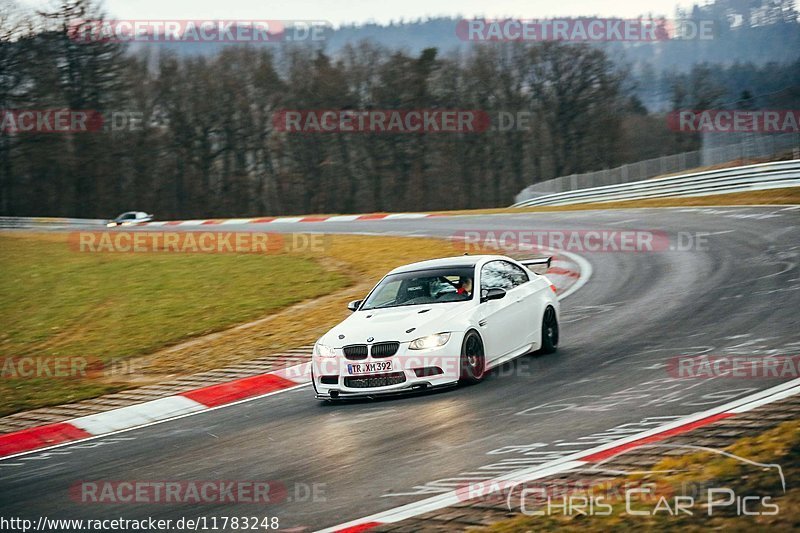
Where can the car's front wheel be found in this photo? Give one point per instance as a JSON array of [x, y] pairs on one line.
[[549, 331], [473, 360]]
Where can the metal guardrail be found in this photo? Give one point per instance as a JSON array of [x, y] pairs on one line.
[[37, 222], [734, 147], [738, 179]]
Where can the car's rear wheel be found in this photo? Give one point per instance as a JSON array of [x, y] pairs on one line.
[[549, 331], [473, 360]]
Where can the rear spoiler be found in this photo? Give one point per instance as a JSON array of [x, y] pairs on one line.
[[537, 262]]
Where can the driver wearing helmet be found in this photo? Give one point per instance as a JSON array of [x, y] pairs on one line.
[[465, 286]]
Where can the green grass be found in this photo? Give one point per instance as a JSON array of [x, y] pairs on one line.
[[58, 302]]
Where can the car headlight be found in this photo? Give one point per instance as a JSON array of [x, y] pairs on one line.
[[431, 341], [324, 351]]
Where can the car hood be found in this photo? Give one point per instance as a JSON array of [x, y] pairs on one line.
[[402, 324]]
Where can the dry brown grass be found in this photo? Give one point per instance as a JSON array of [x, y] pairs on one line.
[[363, 259]]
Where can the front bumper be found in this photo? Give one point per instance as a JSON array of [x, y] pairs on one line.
[[335, 394], [410, 372]]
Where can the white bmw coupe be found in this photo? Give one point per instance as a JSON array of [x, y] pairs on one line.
[[437, 323]]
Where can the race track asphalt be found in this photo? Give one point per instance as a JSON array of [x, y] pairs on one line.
[[737, 293]]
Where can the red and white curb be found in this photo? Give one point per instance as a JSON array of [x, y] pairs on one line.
[[355, 218], [292, 220], [571, 462], [568, 272], [142, 414]]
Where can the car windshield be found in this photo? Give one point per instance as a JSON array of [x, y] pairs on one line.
[[441, 285]]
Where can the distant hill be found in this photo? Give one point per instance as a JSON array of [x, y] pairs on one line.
[[750, 39], [777, 41]]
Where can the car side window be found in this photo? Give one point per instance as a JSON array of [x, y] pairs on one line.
[[502, 275], [518, 276], [496, 276]]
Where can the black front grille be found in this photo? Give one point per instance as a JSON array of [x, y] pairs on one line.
[[385, 349], [355, 352], [329, 380], [382, 380]]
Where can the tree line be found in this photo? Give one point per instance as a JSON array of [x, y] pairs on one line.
[[200, 139]]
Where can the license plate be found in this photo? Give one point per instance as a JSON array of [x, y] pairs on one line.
[[369, 368]]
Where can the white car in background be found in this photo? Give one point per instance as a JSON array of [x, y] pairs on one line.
[[130, 218], [437, 323]]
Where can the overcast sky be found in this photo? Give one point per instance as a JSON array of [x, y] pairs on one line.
[[345, 11]]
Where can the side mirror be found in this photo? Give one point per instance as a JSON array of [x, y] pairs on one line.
[[354, 305], [492, 294]]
